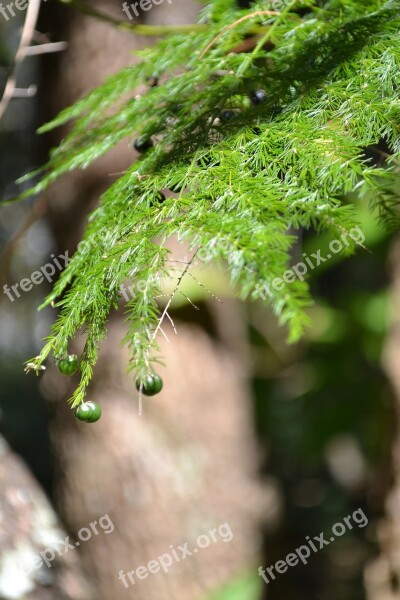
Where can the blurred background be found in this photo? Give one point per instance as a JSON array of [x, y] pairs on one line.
[[279, 441]]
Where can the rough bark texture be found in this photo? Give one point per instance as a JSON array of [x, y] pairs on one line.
[[29, 526], [189, 464], [185, 467]]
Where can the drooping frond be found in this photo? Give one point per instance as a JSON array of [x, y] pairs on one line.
[[249, 172]]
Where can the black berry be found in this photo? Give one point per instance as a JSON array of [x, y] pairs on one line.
[[90, 412], [228, 115], [142, 144], [152, 81], [150, 385], [68, 365], [257, 97]]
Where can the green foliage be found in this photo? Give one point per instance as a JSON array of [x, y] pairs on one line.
[[332, 77], [244, 587]]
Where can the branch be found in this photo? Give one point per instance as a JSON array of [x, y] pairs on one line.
[[26, 37], [24, 49], [150, 30], [257, 13], [163, 316]]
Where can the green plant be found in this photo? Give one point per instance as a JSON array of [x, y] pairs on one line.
[[330, 71]]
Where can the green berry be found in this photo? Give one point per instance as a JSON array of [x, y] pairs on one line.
[[68, 365], [150, 385], [90, 412]]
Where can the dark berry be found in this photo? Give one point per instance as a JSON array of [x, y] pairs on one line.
[[257, 97], [150, 385], [228, 115], [152, 81], [90, 412], [142, 144], [68, 365]]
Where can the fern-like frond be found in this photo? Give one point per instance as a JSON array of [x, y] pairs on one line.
[[332, 82]]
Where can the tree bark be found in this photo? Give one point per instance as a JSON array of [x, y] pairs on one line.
[[382, 576], [29, 526]]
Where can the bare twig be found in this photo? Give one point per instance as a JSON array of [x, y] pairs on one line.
[[26, 37], [165, 311], [24, 49], [138, 28], [163, 316], [46, 48], [24, 92], [11, 91]]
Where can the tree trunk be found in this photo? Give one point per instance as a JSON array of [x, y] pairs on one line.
[[383, 575], [28, 527]]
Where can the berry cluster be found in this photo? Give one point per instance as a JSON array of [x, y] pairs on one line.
[[143, 144], [90, 412]]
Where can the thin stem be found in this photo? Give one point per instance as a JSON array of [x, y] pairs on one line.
[[161, 320], [266, 38], [232, 25], [26, 36], [140, 29]]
